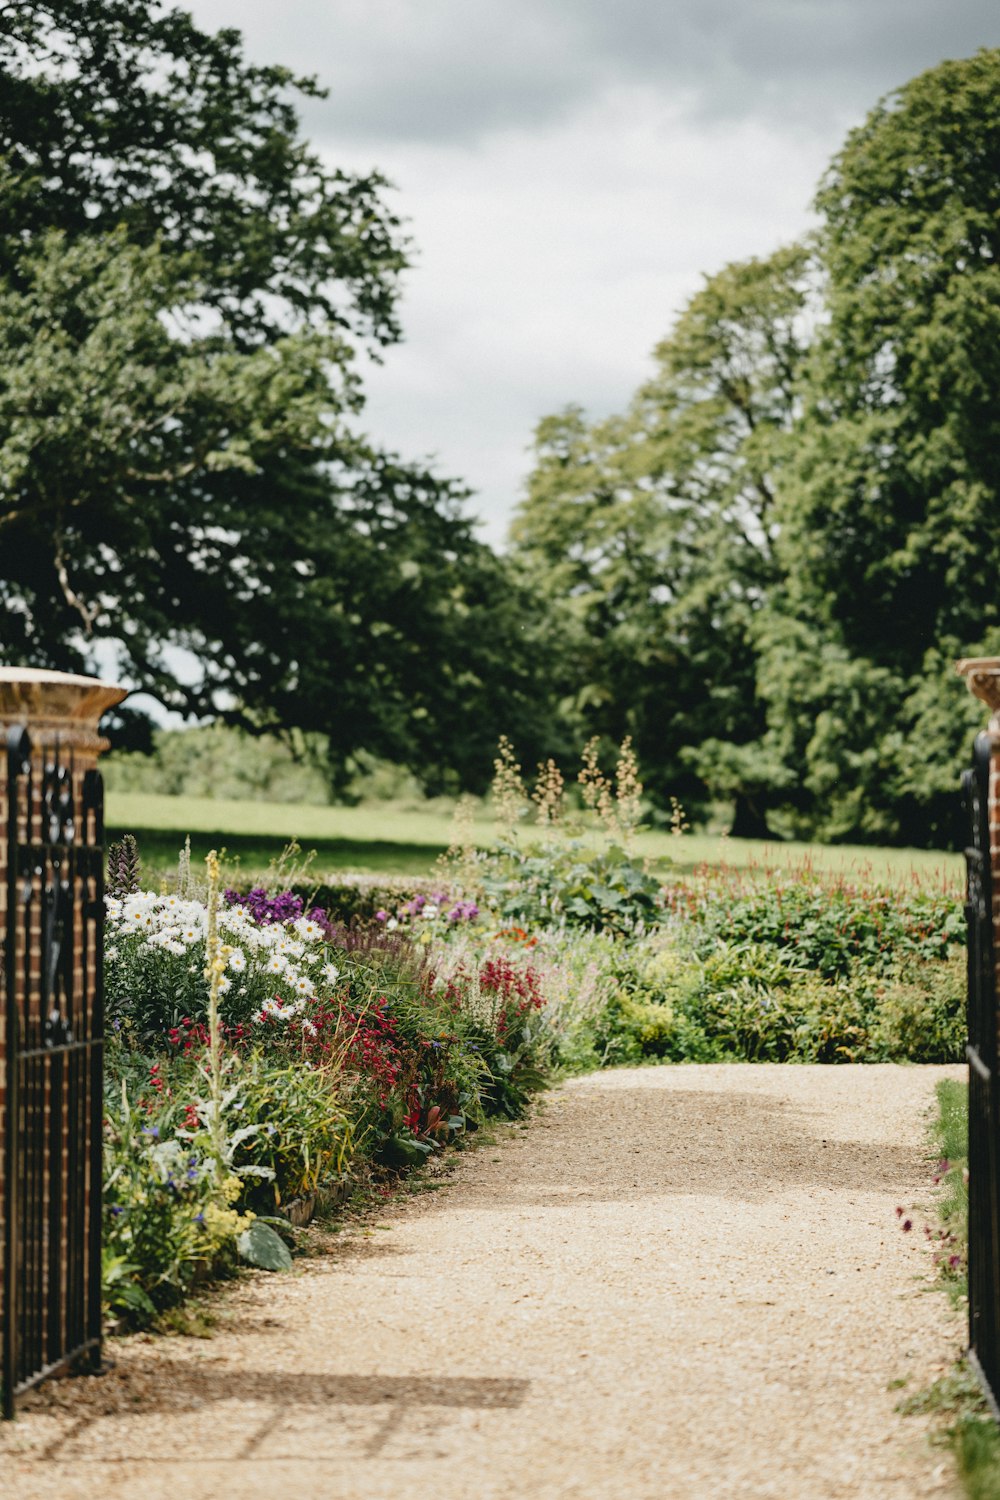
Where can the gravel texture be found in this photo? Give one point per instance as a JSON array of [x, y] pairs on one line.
[[676, 1282]]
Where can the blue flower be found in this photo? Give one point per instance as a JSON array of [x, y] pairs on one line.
[[151, 1130]]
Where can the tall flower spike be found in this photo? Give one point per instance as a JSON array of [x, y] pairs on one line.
[[124, 868]]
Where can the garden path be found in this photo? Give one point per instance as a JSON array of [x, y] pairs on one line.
[[679, 1282]]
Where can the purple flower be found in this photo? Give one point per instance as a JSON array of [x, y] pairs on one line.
[[463, 911], [319, 916], [381, 916], [267, 910]]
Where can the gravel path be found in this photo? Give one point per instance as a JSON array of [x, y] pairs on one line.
[[677, 1282]]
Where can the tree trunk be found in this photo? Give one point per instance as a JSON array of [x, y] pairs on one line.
[[749, 822]]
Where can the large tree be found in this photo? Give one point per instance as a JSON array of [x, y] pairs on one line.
[[772, 561], [125, 113], [890, 510], [655, 534], [184, 286], [896, 494]]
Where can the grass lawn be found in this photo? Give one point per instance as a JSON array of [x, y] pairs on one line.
[[398, 838]]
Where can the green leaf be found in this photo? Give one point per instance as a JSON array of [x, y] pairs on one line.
[[404, 1151], [262, 1246]]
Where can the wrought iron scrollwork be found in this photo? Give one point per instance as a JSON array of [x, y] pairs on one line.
[[54, 1023]]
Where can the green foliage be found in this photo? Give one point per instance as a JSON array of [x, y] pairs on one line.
[[831, 927], [921, 1011], [766, 567], [301, 1132], [185, 288], [216, 760], [337, 1042], [902, 473], [261, 1245], [888, 540], [603, 890], [131, 115], [951, 1136], [163, 1226], [977, 1446], [952, 1125], [748, 1004], [777, 970], [652, 534]]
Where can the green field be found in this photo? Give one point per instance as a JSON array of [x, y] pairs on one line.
[[388, 838]]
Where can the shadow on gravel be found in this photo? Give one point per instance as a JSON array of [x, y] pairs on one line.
[[179, 1388], [636, 1143]]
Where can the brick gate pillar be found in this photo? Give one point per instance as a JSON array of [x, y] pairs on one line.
[[56, 708]]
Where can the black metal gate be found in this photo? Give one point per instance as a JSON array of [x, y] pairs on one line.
[[984, 1099], [53, 1072]]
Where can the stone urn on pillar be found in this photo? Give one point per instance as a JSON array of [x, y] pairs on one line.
[[982, 678]]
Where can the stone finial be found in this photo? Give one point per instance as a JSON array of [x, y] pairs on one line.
[[982, 677], [57, 706]]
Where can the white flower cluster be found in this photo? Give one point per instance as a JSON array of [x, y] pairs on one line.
[[290, 956]]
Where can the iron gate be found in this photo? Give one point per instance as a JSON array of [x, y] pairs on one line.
[[984, 1099], [54, 1024]]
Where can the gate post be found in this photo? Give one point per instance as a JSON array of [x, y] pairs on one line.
[[51, 1022], [981, 785]]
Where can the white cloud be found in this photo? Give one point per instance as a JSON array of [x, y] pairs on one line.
[[569, 169], [551, 261]]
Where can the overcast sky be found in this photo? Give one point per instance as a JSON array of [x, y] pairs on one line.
[[569, 170]]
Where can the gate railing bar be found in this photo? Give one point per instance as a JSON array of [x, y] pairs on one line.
[[18, 756]]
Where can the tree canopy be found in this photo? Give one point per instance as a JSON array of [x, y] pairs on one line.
[[814, 473], [184, 288], [655, 531]]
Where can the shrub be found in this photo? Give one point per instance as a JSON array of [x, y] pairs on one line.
[[302, 1135], [163, 1222], [832, 927], [604, 891], [921, 1011]]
